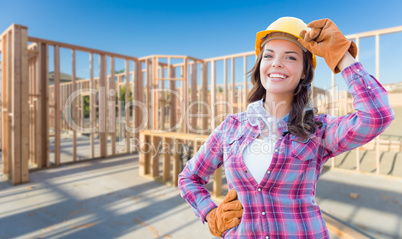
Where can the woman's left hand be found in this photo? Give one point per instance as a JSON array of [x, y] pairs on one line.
[[326, 40], [226, 215]]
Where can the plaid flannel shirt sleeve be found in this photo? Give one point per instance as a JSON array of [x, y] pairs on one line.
[[373, 113], [198, 170]]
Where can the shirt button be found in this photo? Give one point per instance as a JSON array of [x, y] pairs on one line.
[[276, 150], [267, 237], [259, 189], [357, 70], [263, 213], [269, 172], [369, 87]]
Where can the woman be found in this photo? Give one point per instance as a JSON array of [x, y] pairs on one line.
[[275, 188]]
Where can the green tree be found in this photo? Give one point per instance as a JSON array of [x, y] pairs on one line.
[[123, 94], [86, 106]]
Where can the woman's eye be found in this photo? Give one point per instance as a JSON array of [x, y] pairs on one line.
[[292, 58], [268, 56]]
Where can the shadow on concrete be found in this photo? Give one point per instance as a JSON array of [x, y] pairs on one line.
[[377, 204], [110, 214]]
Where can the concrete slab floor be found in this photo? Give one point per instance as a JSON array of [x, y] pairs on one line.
[[107, 199], [96, 199], [371, 203]]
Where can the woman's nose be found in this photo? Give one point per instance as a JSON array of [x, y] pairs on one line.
[[277, 62]]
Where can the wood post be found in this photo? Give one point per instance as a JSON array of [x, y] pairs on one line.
[[15, 107], [32, 104], [176, 162], [127, 109], [213, 94], [184, 85], [21, 113], [144, 155], [92, 103], [154, 87], [172, 103], [232, 76], [119, 107], [204, 95], [244, 105], [162, 99], [102, 107], [194, 107], [166, 142], [225, 83], [74, 104], [112, 104], [57, 110], [6, 107], [155, 156], [138, 93], [148, 92]]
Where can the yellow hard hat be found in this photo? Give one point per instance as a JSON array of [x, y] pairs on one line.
[[289, 25]]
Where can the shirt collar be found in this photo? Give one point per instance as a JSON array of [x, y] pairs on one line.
[[257, 115]]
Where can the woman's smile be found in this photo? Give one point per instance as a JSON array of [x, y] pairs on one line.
[[277, 76]]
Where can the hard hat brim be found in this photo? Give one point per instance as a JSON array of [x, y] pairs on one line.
[[262, 34]]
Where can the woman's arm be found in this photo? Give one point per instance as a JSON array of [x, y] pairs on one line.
[[373, 112], [196, 174], [370, 100], [198, 170], [346, 61]]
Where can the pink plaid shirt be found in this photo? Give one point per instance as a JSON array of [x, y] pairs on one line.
[[283, 204]]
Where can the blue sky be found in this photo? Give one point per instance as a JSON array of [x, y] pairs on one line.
[[201, 29]]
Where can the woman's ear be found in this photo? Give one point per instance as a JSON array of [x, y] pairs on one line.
[[303, 76]]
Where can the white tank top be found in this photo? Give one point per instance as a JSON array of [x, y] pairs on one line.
[[257, 157]]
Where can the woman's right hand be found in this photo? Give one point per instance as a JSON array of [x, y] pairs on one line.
[[226, 215], [326, 40]]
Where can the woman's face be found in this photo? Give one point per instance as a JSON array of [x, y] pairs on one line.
[[281, 67]]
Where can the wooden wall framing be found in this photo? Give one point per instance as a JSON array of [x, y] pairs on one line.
[[26, 93]]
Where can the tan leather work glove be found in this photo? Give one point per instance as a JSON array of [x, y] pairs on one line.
[[326, 40], [226, 215]]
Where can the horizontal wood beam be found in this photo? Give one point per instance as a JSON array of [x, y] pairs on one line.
[[220, 58], [182, 136], [171, 79], [375, 32], [81, 48]]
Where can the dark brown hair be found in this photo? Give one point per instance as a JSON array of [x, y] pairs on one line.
[[301, 121]]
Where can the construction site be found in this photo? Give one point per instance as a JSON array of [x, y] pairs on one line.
[[100, 156]]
